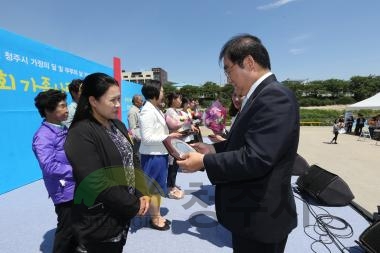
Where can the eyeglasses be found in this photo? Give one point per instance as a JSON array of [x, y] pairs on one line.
[[228, 70]]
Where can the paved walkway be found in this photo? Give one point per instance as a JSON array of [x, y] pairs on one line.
[[356, 161]]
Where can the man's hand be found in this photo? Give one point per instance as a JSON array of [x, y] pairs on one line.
[[204, 148], [192, 162], [216, 138]]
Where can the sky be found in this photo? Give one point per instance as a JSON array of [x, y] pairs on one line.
[[306, 39]]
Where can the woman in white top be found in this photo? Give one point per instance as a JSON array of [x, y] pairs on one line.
[[154, 156]]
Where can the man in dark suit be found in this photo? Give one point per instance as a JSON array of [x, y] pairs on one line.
[[252, 167]]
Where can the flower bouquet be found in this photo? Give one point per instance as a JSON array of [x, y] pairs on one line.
[[215, 117], [176, 119]]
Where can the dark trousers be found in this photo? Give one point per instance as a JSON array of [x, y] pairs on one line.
[[371, 131], [335, 136], [349, 128], [248, 245], [64, 241], [172, 174], [358, 130], [106, 247]]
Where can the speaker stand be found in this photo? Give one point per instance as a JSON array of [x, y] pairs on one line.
[[367, 215]]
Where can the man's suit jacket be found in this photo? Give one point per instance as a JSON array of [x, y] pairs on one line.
[[252, 168]]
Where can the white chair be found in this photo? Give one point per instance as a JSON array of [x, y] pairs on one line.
[[365, 134]]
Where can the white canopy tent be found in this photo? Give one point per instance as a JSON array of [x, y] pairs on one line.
[[369, 103]]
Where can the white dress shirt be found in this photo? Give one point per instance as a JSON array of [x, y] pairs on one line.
[[253, 88]]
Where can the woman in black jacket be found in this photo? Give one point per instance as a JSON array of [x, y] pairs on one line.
[[110, 188]]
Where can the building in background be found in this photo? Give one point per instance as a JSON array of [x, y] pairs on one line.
[[143, 77]]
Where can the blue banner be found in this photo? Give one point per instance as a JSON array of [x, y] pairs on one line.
[[128, 90], [28, 67]]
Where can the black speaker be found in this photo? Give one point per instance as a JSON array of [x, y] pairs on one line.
[[325, 186], [300, 167], [369, 239]]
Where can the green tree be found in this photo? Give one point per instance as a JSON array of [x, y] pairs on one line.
[[190, 91], [169, 87], [296, 86], [210, 90], [318, 92], [335, 88], [364, 87], [225, 94]]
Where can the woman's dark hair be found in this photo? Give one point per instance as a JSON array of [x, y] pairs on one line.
[[48, 101], [184, 101], [151, 90], [74, 86], [240, 46], [172, 96], [94, 85]]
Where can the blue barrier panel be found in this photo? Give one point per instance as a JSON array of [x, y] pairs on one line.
[[26, 68], [128, 90]]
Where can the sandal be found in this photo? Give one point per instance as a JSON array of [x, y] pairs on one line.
[[163, 228], [175, 193], [165, 220], [181, 193]]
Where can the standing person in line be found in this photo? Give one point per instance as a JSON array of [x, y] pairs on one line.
[[349, 123], [188, 122], [252, 168], [56, 170], [177, 120], [74, 89], [360, 121], [108, 194], [232, 111], [196, 115], [235, 105], [133, 121], [154, 156], [372, 125]]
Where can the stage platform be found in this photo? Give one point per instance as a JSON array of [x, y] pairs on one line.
[[28, 223]]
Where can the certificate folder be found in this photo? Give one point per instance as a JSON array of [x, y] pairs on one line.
[[177, 147]]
